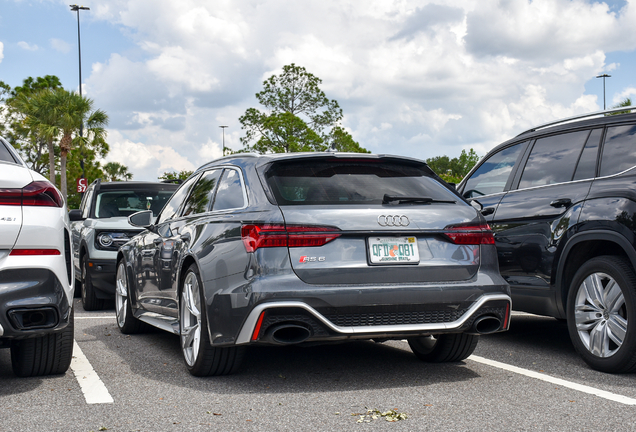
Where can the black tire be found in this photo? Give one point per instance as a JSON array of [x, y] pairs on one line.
[[126, 321], [89, 297], [200, 357], [444, 348], [50, 354], [605, 335], [78, 289]]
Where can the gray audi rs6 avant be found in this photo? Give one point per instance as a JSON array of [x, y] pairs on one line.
[[312, 248]]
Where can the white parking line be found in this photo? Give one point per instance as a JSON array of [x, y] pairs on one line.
[[95, 392], [543, 377], [95, 317]]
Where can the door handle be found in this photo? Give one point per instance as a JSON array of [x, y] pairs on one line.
[[561, 202], [487, 211]]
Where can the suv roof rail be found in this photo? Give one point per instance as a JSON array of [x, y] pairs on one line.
[[578, 117]]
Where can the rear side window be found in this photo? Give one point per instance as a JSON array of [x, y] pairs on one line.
[[230, 192], [5, 154], [350, 182], [587, 163], [553, 159], [492, 175], [619, 151]]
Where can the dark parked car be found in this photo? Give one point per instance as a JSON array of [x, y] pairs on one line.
[[561, 200], [314, 247]]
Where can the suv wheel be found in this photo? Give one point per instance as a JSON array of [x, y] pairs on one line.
[[201, 358], [89, 298], [50, 354], [441, 348], [126, 321], [601, 313]]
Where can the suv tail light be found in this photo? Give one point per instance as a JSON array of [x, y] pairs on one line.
[[470, 234], [279, 235], [39, 193]]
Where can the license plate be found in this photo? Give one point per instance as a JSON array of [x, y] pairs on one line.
[[393, 250]]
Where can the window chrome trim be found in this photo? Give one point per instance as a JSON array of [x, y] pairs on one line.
[[245, 335]]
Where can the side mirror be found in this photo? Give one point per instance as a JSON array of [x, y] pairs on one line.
[[141, 219], [75, 215]]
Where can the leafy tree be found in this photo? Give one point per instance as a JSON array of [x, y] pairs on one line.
[[299, 117], [453, 170], [114, 171], [626, 103], [172, 176], [92, 171]]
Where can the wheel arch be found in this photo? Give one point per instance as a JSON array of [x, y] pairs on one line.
[[582, 247]]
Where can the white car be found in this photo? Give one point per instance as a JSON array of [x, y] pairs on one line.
[[36, 275]]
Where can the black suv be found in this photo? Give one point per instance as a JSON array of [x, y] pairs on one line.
[[561, 199]]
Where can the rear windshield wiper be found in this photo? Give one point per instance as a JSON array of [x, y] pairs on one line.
[[412, 200]]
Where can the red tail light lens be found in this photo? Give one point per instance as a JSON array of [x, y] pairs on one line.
[[39, 193], [278, 235], [28, 252], [470, 234]]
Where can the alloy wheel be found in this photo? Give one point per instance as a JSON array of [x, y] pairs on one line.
[[121, 295], [190, 318]]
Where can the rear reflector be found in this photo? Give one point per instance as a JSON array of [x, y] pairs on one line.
[[39, 193], [470, 234], [278, 235], [23, 252], [257, 328]]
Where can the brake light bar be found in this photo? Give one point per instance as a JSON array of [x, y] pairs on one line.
[[470, 234], [278, 235], [39, 193], [31, 252]]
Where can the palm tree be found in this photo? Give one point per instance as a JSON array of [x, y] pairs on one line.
[[77, 123], [114, 171]]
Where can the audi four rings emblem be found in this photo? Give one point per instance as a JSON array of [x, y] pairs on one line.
[[393, 220]]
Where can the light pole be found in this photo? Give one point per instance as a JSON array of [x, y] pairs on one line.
[[604, 76], [76, 8], [223, 129]]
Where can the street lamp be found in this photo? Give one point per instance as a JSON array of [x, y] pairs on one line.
[[224, 148], [604, 76], [76, 8]]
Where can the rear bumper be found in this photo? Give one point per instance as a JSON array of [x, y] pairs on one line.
[[494, 305], [32, 303]]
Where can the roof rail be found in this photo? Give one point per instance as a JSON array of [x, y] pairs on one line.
[[578, 117]]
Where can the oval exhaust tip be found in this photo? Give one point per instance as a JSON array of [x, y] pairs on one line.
[[290, 334], [487, 324]]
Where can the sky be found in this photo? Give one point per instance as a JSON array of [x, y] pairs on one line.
[[414, 78]]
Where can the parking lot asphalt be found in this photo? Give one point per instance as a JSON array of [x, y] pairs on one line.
[[527, 379]]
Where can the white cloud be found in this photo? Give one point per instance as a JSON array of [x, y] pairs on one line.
[[27, 46], [413, 77], [60, 45], [1, 51]]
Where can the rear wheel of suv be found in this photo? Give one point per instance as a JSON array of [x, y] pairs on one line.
[[89, 298], [126, 321], [601, 312], [50, 354], [444, 347], [201, 358]]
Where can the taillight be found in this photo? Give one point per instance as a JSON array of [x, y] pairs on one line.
[[470, 234], [29, 252], [39, 193], [278, 235]]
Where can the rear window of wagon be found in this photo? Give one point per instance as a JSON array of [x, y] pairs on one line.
[[311, 182]]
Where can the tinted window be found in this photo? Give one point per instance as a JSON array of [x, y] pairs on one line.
[[492, 175], [619, 151], [201, 195], [587, 163], [120, 203], [553, 159], [5, 154], [172, 207], [351, 182], [230, 192]]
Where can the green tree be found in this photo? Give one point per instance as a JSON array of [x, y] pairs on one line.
[[92, 170], [173, 176], [626, 103], [114, 171], [299, 117], [453, 170]]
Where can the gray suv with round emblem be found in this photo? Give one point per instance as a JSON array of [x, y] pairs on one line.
[[312, 248]]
